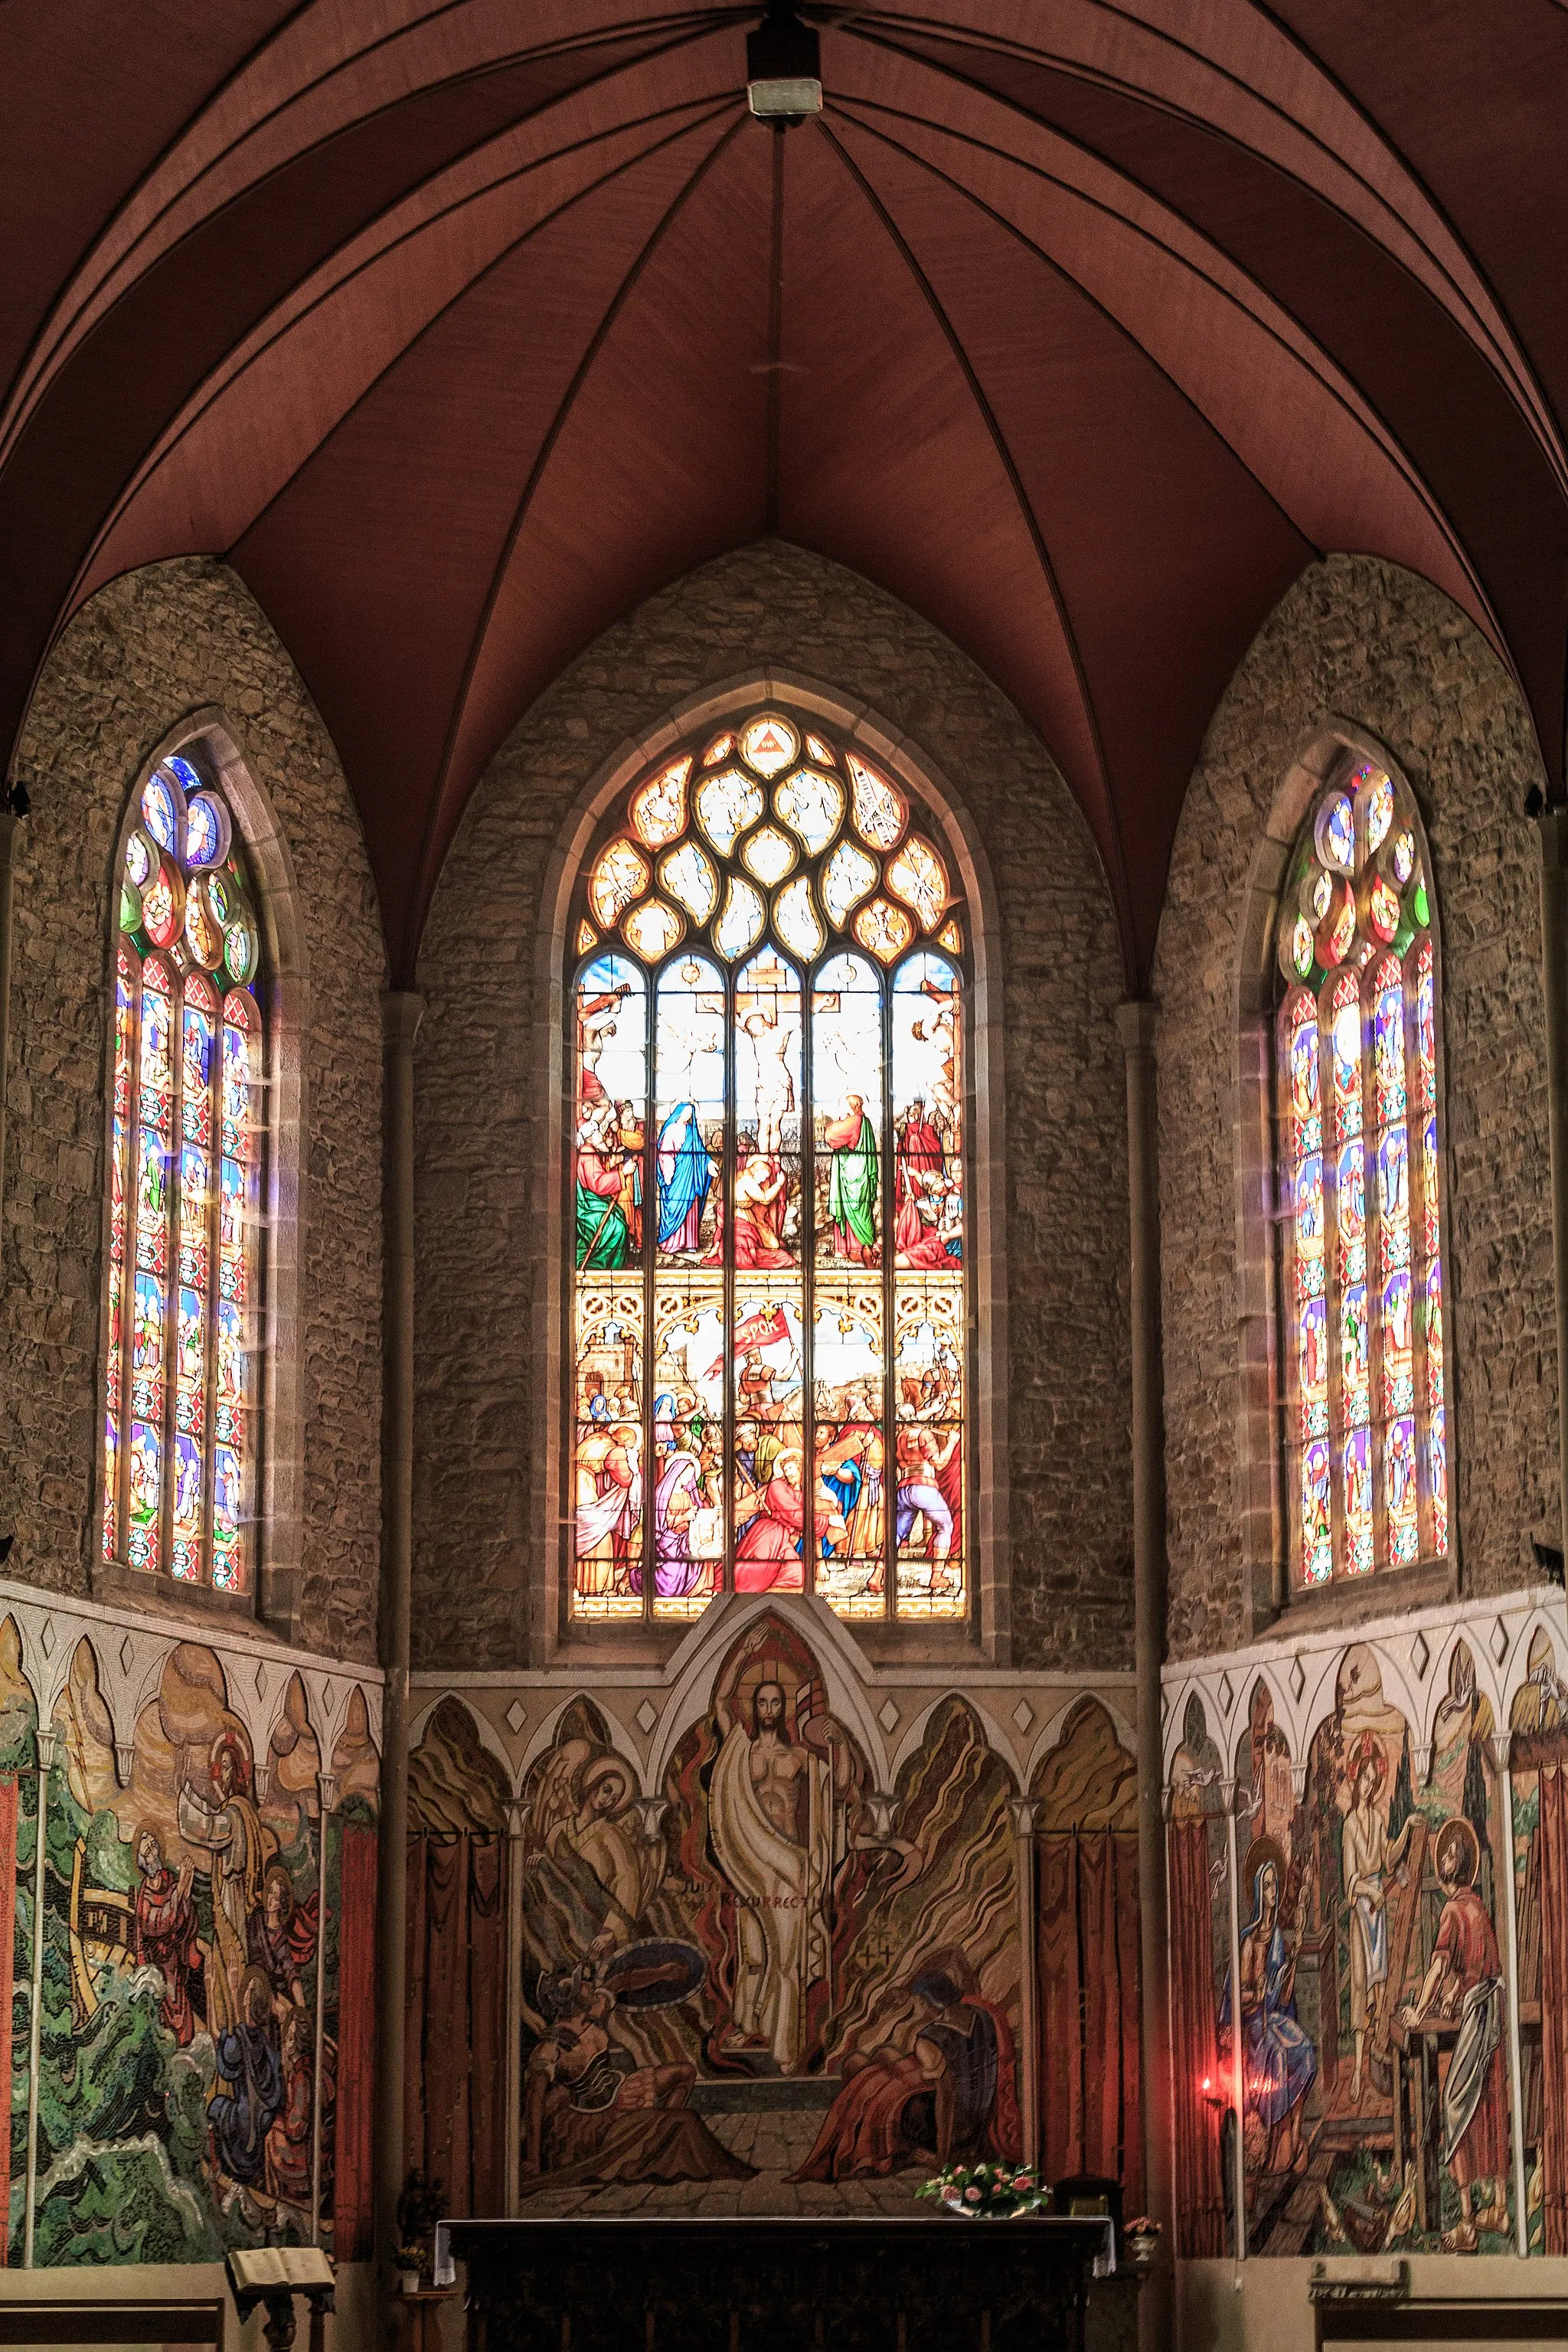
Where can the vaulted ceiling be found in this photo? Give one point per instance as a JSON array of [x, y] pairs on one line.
[[459, 328]]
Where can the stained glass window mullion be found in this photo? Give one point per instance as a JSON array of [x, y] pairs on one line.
[[1375, 1278], [1422, 1210], [727, 1316], [649, 1251], [171, 1293], [210, 1382], [889, 1325], [1333, 1285], [811, 1549], [123, 1247]]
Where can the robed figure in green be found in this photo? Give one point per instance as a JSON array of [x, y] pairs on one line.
[[852, 1190], [602, 1234]]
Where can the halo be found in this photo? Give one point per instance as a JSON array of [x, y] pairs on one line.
[[254, 1976], [1368, 1747], [1461, 1832], [277, 1869], [601, 1769], [235, 1746], [1262, 1850]]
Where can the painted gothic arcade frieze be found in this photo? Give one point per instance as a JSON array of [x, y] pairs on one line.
[[187, 2043], [1368, 1875]]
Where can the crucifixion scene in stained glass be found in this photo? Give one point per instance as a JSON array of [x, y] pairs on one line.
[[769, 1369]]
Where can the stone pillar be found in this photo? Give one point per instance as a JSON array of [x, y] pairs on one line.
[[1137, 1025], [1554, 824], [1228, 1791], [327, 1790], [400, 1011], [8, 824], [516, 1823], [1024, 1810], [1502, 1756], [45, 1746]]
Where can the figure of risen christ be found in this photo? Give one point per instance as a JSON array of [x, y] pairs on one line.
[[771, 1809]]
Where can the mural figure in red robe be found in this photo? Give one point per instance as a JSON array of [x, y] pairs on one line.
[[949, 2099], [1465, 1980]]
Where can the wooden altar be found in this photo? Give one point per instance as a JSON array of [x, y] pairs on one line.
[[743, 2286]]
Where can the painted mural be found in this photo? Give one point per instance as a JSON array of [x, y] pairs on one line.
[[1086, 1830], [203, 1980], [1538, 1722], [1359, 1958], [766, 1987]]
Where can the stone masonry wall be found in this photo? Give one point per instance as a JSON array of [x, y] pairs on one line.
[[478, 1132], [148, 649], [1364, 640]]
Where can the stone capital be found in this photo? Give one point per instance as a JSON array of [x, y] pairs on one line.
[[1135, 1018], [651, 1812]]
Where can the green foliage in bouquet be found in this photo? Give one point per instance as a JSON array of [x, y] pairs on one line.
[[987, 2192]]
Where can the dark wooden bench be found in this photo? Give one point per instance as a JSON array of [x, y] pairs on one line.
[[187, 2320]]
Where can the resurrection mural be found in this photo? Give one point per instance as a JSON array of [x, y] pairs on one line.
[[1371, 1995], [764, 1980], [206, 1974]]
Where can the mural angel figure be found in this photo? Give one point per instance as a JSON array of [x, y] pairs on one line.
[[584, 1821]]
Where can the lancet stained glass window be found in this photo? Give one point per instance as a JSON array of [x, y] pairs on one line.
[[1361, 1187], [186, 1148], [768, 1370]]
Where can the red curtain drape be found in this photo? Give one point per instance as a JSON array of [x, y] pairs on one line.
[[8, 1969], [352, 2211], [1553, 1882], [1088, 1947], [1200, 2198], [457, 2016]]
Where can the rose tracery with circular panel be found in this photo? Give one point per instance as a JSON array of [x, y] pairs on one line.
[[769, 1370]]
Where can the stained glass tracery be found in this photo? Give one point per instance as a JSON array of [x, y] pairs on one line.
[[1361, 1187], [186, 1169], [769, 1380]]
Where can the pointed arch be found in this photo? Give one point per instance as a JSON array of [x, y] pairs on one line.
[[1341, 1029], [200, 1307], [767, 963]]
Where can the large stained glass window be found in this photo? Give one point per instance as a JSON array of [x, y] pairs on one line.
[[770, 1367], [1361, 1187], [185, 1170]]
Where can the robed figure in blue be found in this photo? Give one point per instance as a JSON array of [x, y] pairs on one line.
[[684, 1173], [1279, 2063]]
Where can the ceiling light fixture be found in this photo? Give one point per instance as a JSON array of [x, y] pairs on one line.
[[784, 69]]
